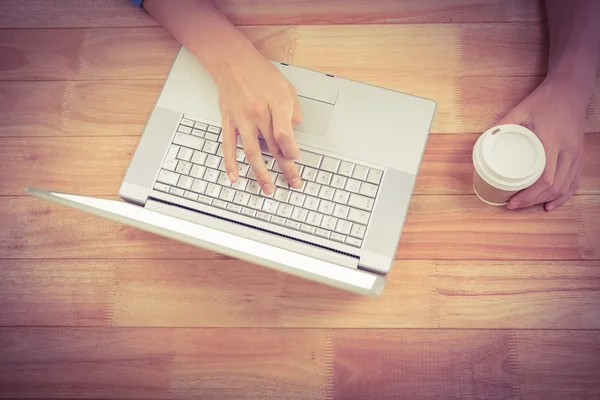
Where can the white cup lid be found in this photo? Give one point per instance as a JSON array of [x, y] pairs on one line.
[[509, 157]]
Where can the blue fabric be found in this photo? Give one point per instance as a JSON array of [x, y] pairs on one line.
[[137, 3]]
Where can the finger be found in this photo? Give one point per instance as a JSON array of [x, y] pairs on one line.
[[564, 167], [283, 132], [297, 115], [290, 171], [255, 159], [229, 147], [554, 204], [526, 197]]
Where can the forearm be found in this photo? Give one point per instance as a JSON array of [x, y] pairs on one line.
[[574, 27], [203, 30]]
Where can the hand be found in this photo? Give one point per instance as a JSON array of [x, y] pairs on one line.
[[556, 114], [256, 100]]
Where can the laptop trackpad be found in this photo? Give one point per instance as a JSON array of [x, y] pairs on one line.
[[315, 116]]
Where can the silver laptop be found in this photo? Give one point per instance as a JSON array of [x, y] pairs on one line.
[[361, 147]]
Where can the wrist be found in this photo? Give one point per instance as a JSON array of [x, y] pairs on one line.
[[575, 84]]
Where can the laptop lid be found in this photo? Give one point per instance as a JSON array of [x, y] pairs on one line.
[[246, 249]]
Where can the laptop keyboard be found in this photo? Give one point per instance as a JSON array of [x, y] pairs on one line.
[[335, 201]]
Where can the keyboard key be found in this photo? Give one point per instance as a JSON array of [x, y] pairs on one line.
[[307, 229], [330, 164], [368, 189], [338, 181], [292, 224], [199, 186], [343, 226], [353, 241], [270, 206], [326, 207], [211, 136], [187, 121], [277, 168], [312, 188], [359, 216], [197, 171], [328, 222], [168, 177], [239, 154], [358, 231], [184, 129], [337, 237], [211, 175], [192, 142], [222, 165], [312, 203], [241, 198], [263, 194], [284, 210], [214, 129], [234, 208], [170, 165], [362, 202], [253, 187], [223, 179], [201, 126], [314, 218], [309, 159], [256, 202], [240, 184], [199, 157], [374, 176], [352, 185], [281, 181], [183, 167], [269, 161], [309, 174], [300, 189], [360, 172], [213, 161], [172, 152], [277, 220], [176, 191], [340, 211], [185, 154], [249, 212], [219, 203], [210, 147], [213, 190], [341, 196], [299, 214], [281, 195], [190, 195], [263, 216], [185, 182], [323, 177], [162, 187], [197, 132], [326, 192], [346, 168], [227, 194], [220, 151], [322, 232], [297, 199], [243, 169], [204, 199]]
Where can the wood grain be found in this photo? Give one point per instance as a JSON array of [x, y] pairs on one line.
[[66, 163], [437, 227], [118, 13]]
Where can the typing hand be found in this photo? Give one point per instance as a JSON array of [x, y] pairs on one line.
[[256, 99], [556, 115]]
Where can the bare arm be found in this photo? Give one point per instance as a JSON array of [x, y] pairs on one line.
[[254, 97]]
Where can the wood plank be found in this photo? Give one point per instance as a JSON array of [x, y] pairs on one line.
[[66, 163], [559, 364], [437, 227], [425, 364], [463, 228], [164, 363], [57, 292], [118, 13], [518, 294]]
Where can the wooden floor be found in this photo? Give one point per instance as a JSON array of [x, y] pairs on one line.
[[481, 302]]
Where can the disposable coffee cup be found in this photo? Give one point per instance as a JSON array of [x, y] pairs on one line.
[[507, 159]]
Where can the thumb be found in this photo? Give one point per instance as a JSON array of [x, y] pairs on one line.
[[518, 116]]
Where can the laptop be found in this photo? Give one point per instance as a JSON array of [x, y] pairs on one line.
[[361, 147]]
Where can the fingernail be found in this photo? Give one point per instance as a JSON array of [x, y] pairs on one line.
[[232, 176], [268, 188], [296, 183], [550, 207]]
